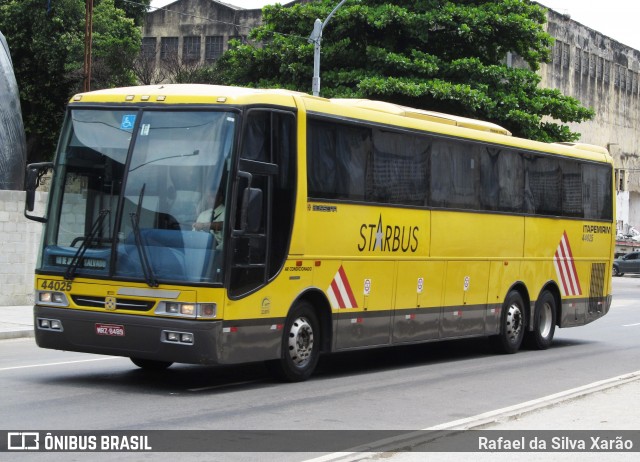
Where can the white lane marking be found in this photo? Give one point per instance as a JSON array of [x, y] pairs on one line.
[[631, 325], [56, 364]]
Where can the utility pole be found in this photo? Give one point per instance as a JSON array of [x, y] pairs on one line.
[[88, 37], [316, 38]]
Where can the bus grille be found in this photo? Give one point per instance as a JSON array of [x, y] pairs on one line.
[[121, 303], [596, 292]]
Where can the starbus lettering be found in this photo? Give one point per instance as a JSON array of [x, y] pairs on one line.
[[388, 238]]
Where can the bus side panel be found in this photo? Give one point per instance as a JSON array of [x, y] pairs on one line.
[[253, 325], [470, 242], [368, 323], [418, 301], [465, 298]]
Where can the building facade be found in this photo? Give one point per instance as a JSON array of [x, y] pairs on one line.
[[603, 74], [587, 65], [195, 31]]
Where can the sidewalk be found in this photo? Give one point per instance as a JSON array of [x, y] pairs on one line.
[[16, 322]]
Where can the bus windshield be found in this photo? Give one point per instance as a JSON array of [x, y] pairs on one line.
[[140, 195]]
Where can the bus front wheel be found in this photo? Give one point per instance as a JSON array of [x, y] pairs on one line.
[[300, 345], [512, 324]]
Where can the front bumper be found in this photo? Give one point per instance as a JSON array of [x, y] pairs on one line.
[[144, 336]]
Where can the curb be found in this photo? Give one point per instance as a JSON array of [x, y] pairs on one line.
[[513, 412], [18, 333], [417, 438]]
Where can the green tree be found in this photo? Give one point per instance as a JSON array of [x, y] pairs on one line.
[[134, 9], [46, 40], [440, 55]]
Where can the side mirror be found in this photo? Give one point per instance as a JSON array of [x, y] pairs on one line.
[[251, 207], [251, 217], [34, 175]]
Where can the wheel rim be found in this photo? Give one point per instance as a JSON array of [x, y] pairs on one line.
[[300, 342], [514, 323], [546, 320]]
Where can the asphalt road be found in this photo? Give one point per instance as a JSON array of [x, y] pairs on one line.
[[393, 388]]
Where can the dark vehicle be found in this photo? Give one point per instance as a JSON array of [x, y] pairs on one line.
[[629, 263]]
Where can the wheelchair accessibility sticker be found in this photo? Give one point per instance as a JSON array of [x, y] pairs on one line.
[[128, 121]]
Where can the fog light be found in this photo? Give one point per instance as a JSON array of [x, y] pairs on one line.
[[177, 338], [49, 324]]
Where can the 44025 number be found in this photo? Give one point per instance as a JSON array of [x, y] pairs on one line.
[[48, 284]]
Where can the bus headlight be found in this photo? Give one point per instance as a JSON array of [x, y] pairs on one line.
[[51, 298], [187, 310]]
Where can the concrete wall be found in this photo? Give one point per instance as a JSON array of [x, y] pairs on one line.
[[19, 241]]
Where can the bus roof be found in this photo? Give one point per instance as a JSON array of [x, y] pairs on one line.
[[421, 114], [351, 108], [188, 94]]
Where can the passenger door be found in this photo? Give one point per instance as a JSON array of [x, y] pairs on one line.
[[263, 198]]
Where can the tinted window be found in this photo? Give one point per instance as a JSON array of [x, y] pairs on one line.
[[399, 172]]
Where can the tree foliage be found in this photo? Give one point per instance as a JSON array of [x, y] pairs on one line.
[[46, 40], [441, 55]]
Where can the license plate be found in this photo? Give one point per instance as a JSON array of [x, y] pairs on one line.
[[113, 330]]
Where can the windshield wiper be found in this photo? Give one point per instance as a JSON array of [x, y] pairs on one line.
[[77, 257], [149, 277]]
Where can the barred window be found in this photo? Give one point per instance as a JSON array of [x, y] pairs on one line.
[[566, 55], [148, 50], [191, 49], [168, 47], [600, 68], [213, 47]]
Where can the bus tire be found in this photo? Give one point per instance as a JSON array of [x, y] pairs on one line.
[[512, 324], [300, 345], [150, 364], [544, 323]]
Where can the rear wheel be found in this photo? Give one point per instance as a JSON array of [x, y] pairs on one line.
[[512, 324], [150, 364], [616, 271], [544, 322], [300, 345]]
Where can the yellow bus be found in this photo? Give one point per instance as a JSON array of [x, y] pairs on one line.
[[215, 225]]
